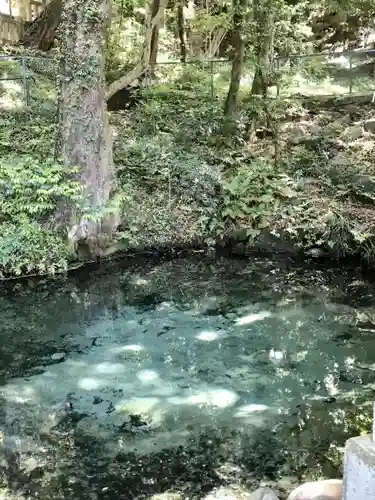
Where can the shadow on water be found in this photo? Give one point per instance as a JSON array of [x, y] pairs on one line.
[[292, 344]]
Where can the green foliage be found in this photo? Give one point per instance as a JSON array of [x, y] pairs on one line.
[[30, 193], [31, 189], [330, 230], [156, 162], [191, 117], [125, 40], [254, 193], [26, 247], [362, 420], [26, 133]]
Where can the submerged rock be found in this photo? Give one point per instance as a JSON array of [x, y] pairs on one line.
[[330, 489], [58, 356]]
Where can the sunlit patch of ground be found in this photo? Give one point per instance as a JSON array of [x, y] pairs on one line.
[[12, 95]]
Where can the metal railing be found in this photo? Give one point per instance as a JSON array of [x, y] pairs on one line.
[[326, 77], [24, 77]]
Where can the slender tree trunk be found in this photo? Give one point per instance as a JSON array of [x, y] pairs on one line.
[[84, 134], [264, 19], [181, 30], [155, 34], [239, 18]]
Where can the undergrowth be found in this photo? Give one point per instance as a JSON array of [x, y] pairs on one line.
[[31, 190], [187, 175]]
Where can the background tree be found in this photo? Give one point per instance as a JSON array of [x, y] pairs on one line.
[[263, 45], [239, 25], [180, 21]]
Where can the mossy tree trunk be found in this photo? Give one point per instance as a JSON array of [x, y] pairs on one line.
[[84, 136], [239, 19]]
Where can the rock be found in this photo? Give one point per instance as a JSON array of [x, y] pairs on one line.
[[264, 494], [30, 464], [316, 253], [342, 121], [330, 489], [167, 496], [58, 356], [297, 133], [287, 483], [353, 111], [341, 160], [353, 133], [369, 125], [232, 492]]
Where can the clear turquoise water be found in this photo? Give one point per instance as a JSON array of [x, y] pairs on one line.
[[130, 381]]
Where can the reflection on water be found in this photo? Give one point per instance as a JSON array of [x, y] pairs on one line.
[[134, 381]]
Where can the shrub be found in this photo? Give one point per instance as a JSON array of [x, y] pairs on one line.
[[23, 133], [253, 194], [30, 193], [27, 247]]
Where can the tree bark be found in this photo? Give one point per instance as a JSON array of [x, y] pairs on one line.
[[84, 134], [41, 33], [181, 30], [154, 44], [143, 65], [264, 19], [239, 18]]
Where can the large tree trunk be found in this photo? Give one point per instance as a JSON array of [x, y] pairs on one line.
[[239, 17], [41, 33], [264, 19], [84, 134], [150, 22], [181, 29]]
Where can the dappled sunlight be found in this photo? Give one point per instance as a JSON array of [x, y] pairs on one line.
[[276, 355], [220, 398], [19, 394], [208, 336], [130, 348], [147, 376], [181, 378], [331, 385], [138, 281], [246, 410], [89, 384], [138, 405], [166, 495], [326, 86], [252, 318], [109, 368]]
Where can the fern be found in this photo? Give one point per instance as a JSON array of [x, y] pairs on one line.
[[30, 193]]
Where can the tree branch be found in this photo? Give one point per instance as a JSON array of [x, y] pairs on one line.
[[141, 67]]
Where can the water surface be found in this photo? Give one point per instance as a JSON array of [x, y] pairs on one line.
[[180, 376]]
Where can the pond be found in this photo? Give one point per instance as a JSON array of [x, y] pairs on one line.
[[131, 381]]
